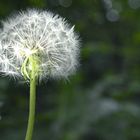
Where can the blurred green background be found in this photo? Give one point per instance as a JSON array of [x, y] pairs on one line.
[[102, 100]]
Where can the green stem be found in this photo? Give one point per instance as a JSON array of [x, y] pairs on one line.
[[31, 118]]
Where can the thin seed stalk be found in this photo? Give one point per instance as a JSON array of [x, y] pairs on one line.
[[32, 103]]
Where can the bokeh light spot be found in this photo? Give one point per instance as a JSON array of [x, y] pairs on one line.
[[112, 15], [108, 4], [134, 4], [65, 3]]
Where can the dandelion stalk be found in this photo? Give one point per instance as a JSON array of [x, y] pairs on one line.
[[31, 118]]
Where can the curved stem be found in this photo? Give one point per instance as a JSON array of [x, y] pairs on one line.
[[31, 118]]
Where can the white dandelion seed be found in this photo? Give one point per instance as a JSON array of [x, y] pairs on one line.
[[47, 37]]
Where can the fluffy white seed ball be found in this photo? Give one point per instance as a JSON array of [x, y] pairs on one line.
[[39, 33]]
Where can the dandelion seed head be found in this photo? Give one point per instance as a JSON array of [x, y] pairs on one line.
[[44, 35]]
